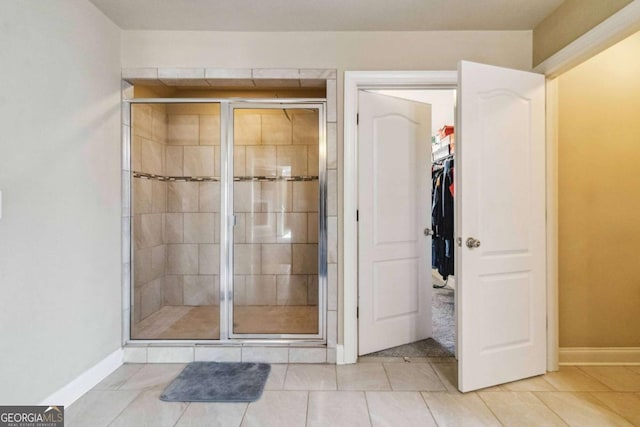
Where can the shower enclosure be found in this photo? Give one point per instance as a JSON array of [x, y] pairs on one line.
[[228, 219]]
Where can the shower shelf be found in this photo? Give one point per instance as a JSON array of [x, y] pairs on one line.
[[276, 178], [217, 179]]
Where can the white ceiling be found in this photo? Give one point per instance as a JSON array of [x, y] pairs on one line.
[[326, 15]]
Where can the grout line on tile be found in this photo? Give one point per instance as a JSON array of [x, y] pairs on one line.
[[421, 394], [441, 379], [387, 375], [594, 378], [286, 373], [549, 383], [129, 404], [535, 393], [437, 376], [244, 413], [603, 403], [182, 414], [292, 124], [125, 381], [628, 368], [489, 408], [366, 402]]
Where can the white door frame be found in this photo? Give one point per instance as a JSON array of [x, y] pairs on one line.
[[353, 82]]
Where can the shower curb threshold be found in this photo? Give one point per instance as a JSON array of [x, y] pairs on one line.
[[229, 352]]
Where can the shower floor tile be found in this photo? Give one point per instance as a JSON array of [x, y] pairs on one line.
[[202, 322]]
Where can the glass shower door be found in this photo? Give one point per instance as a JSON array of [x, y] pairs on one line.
[[175, 167], [278, 268]]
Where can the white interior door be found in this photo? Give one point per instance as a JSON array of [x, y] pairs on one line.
[[500, 202], [394, 255]]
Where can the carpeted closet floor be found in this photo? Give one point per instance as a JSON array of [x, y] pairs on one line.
[[444, 332]]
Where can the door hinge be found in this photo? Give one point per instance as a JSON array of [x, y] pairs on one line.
[[357, 119], [357, 215], [357, 312]]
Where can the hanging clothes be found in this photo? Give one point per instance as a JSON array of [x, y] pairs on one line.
[[443, 192]]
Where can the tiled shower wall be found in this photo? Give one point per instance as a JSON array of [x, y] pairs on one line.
[[192, 221], [148, 141], [276, 236], [176, 223]]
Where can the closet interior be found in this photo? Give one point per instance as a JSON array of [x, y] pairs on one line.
[[442, 239]]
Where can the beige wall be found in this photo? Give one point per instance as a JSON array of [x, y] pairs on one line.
[[599, 200], [568, 22], [60, 274], [411, 50]]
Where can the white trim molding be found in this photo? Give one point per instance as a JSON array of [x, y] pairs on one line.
[[553, 334], [599, 356], [618, 26], [85, 381], [354, 81]]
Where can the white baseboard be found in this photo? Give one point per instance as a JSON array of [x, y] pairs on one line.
[[340, 354], [86, 381], [599, 356]]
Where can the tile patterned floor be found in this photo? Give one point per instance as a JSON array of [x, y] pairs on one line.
[[374, 392]]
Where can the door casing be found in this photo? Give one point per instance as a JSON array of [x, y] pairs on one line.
[[356, 80]]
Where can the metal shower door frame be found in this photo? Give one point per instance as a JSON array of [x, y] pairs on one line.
[[227, 106]]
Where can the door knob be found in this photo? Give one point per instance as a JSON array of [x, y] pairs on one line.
[[473, 243], [428, 232]]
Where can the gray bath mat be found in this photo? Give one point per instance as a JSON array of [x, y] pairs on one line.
[[218, 382]]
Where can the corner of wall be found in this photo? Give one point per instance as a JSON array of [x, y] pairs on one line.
[[60, 235], [568, 22]]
